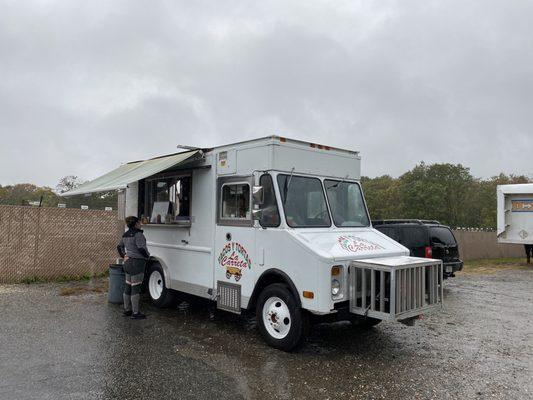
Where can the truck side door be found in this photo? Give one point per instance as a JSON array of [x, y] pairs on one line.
[[234, 241]]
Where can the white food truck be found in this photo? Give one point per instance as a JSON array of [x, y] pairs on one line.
[[274, 225], [515, 213]]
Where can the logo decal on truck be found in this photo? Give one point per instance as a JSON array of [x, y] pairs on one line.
[[355, 244], [235, 259], [522, 205]]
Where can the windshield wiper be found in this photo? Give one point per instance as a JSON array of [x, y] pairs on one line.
[[286, 186], [339, 182]]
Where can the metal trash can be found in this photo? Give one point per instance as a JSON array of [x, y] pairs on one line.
[[116, 284]]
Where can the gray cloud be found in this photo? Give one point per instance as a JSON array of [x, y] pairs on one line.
[[88, 85]]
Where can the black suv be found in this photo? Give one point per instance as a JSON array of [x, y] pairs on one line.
[[424, 238]]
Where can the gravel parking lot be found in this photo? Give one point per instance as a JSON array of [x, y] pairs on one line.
[[64, 341]]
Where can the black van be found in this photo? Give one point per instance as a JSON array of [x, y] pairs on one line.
[[424, 238]]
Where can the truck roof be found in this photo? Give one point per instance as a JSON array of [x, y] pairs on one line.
[[281, 139], [279, 153], [521, 188], [262, 140]]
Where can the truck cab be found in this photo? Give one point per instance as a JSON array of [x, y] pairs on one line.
[[274, 225]]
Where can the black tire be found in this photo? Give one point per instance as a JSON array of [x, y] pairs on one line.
[[364, 323], [166, 297], [298, 319]]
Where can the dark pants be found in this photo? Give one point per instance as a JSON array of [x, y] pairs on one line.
[[529, 251], [134, 269]]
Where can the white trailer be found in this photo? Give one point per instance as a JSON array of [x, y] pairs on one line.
[[515, 213], [274, 225]]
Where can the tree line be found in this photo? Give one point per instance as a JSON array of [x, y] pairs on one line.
[[27, 194], [444, 192]]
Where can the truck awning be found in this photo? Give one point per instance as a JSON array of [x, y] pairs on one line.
[[131, 172]]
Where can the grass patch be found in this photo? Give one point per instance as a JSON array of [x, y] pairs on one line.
[[79, 278], [77, 290], [64, 278], [493, 265], [67, 291], [32, 279]]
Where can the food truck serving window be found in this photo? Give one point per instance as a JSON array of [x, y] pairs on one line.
[[167, 200], [235, 202]]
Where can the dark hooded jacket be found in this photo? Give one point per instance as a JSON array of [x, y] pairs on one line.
[[133, 245]]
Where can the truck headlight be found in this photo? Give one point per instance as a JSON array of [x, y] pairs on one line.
[[335, 287]]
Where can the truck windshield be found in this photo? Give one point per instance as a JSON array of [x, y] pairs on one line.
[[303, 201], [346, 203]]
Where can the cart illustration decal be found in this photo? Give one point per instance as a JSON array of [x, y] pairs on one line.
[[234, 258], [355, 244]]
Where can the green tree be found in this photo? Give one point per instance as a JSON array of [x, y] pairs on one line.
[[445, 192], [24, 193], [484, 201], [438, 191], [95, 201], [381, 194]]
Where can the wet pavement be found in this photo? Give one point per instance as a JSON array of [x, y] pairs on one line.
[[80, 347]]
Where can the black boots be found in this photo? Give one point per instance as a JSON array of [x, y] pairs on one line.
[[138, 316]]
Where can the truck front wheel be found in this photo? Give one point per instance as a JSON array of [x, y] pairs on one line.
[[282, 323]]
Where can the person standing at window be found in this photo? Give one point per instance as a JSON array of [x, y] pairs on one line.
[[132, 248]]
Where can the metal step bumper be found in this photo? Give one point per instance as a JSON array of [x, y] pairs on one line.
[[395, 288]]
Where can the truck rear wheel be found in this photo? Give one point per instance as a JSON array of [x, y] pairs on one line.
[[160, 295], [281, 322]]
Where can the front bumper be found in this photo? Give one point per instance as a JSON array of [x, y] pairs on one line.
[[395, 288]]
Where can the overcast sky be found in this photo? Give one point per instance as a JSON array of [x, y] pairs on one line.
[[87, 85]]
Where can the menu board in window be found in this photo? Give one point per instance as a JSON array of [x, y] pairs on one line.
[[159, 212]]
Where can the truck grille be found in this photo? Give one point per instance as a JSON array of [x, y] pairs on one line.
[[395, 288]]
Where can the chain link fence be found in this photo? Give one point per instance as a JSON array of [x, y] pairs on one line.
[[51, 243]]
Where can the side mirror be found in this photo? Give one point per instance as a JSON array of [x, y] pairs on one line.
[[257, 214], [258, 195]]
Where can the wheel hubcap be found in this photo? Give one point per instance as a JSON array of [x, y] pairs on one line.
[[155, 285], [276, 317]]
